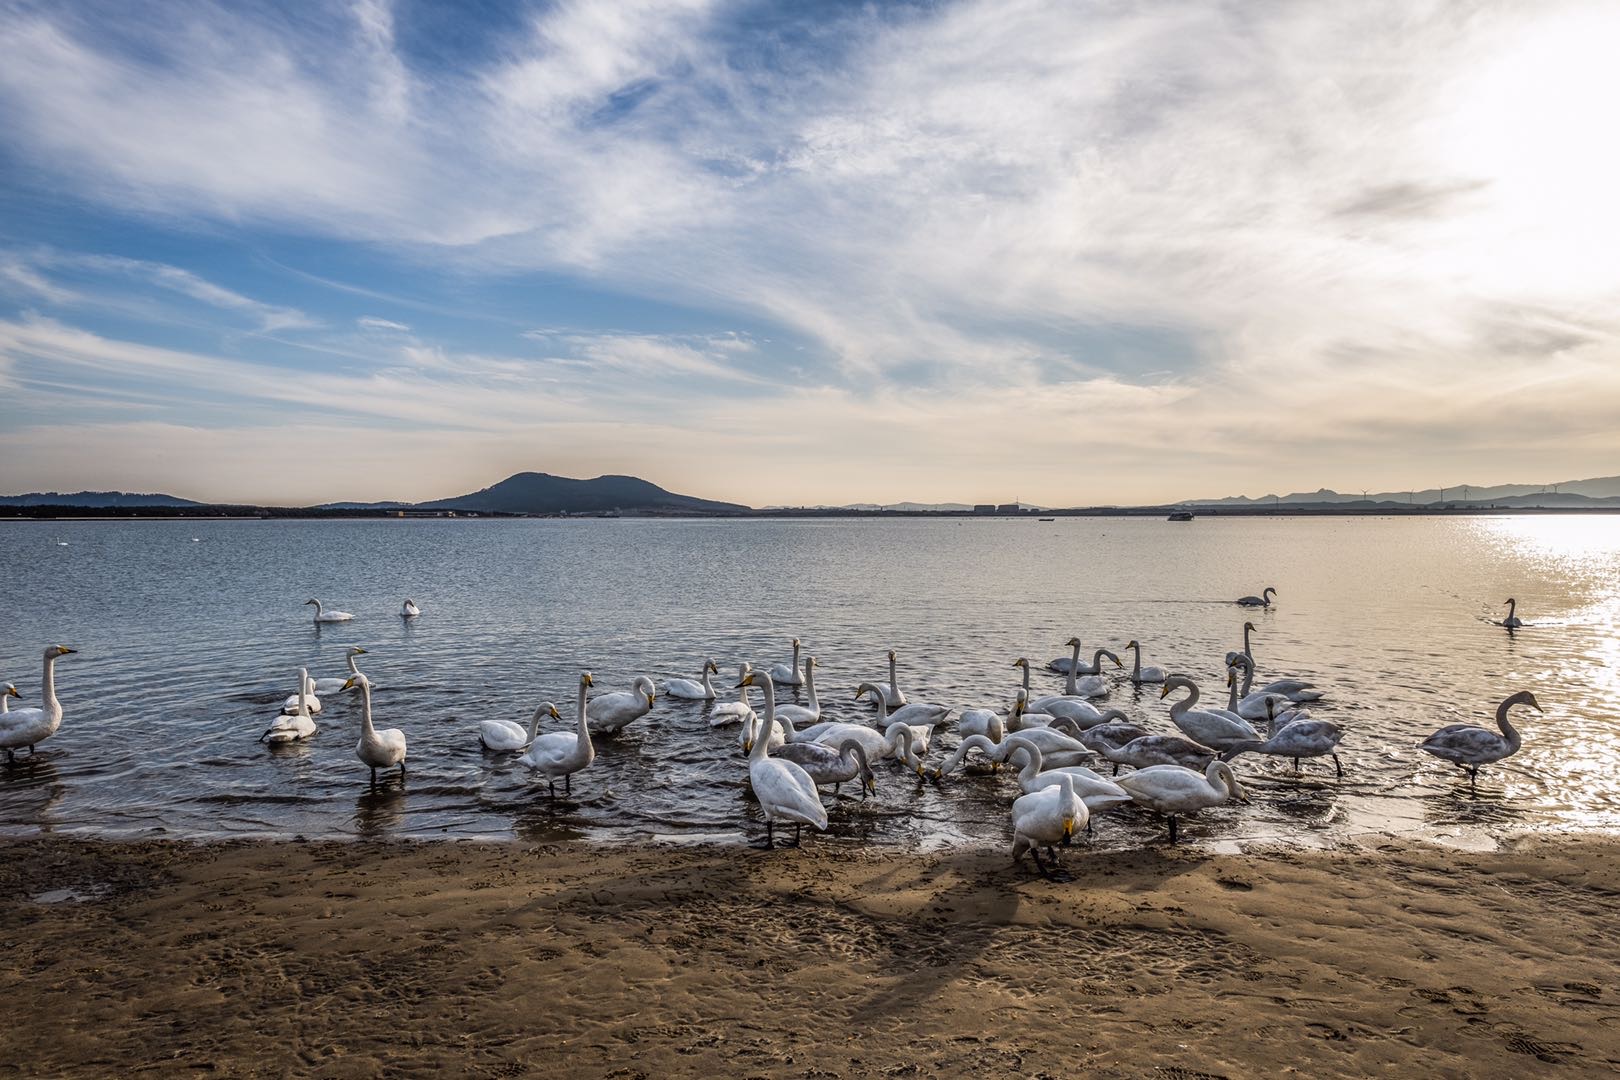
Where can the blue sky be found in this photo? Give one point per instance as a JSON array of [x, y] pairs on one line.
[[827, 252]]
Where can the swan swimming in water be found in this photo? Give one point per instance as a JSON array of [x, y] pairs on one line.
[[334, 686], [285, 729], [784, 790], [1263, 600], [305, 700], [409, 610], [563, 753], [1512, 622], [1468, 746], [788, 674], [805, 714], [1140, 674], [379, 749], [612, 713], [506, 736], [25, 727], [328, 616], [1173, 790], [687, 690], [1045, 818], [1297, 691]]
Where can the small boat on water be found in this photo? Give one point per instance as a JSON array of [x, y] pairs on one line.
[[1048, 519], [1180, 515]]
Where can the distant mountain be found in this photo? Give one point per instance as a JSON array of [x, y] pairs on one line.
[[104, 499], [1594, 492], [542, 493]]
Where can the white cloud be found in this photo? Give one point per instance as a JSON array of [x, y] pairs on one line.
[[372, 322]]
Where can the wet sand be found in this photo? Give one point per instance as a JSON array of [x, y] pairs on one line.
[[330, 959]]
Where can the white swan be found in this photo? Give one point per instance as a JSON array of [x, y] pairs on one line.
[[1263, 600], [893, 696], [921, 717], [1295, 739], [1512, 622], [285, 729], [830, 765], [1468, 746], [507, 736], [1173, 790], [612, 713], [305, 700], [787, 674], [984, 722], [1065, 664], [805, 714], [328, 616], [687, 690], [333, 686], [563, 753], [6, 695], [409, 610], [751, 728], [1045, 818], [1218, 731], [1140, 674], [25, 727], [1094, 791], [733, 712], [784, 790], [379, 749]]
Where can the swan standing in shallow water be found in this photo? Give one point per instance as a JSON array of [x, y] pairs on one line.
[[328, 616], [827, 765], [687, 690], [612, 713], [285, 729], [379, 749], [1045, 818], [506, 736], [25, 727], [334, 686], [1172, 790], [1295, 739], [1263, 600], [1512, 622], [1468, 746], [409, 610], [563, 753], [893, 696], [739, 711], [1218, 731], [784, 790], [788, 674], [1140, 674]]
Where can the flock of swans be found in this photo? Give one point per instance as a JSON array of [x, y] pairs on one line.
[[793, 751]]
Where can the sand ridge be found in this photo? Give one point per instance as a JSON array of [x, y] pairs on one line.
[[365, 959]]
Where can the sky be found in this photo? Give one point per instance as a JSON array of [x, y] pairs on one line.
[[780, 253]]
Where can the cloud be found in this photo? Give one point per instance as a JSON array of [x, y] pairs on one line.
[[372, 322]]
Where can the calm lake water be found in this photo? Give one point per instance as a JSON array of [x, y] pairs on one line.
[[188, 646]]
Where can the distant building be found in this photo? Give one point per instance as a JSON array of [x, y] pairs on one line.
[[984, 508], [1008, 508]]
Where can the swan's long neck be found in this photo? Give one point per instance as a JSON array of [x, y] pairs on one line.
[[810, 687], [962, 749], [369, 731], [1248, 678], [582, 727], [1136, 667], [48, 683], [894, 678], [534, 722], [1032, 760], [317, 609], [1071, 685], [901, 739], [1509, 732], [742, 687], [1231, 689], [1186, 703], [767, 727], [1512, 607], [303, 692], [1025, 666], [352, 669], [1247, 651], [882, 701], [708, 687]]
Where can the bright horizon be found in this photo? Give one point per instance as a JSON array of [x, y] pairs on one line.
[[959, 252]]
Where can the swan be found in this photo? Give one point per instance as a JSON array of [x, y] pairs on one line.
[[334, 686], [805, 714], [687, 690], [1512, 622], [612, 713], [507, 736], [1140, 674], [1082, 685], [784, 790], [1065, 664], [788, 674], [1094, 791], [1263, 600], [285, 729], [409, 610], [1047, 817], [1172, 789], [732, 712], [1072, 705], [898, 740], [921, 717], [828, 765], [1468, 746], [328, 616], [1218, 731], [893, 696], [1297, 691], [751, 728], [563, 753], [1049, 738], [305, 700], [1147, 751], [1295, 739], [378, 749], [25, 727], [985, 722], [6, 695], [1248, 628]]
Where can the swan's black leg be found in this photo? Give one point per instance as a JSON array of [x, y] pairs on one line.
[[568, 783], [770, 840], [1338, 769], [796, 828], [11, 756], [836, 785], [402, 770], [1296, 764], [551, 786], [374, 776], [1172, 828], [1116, 768]]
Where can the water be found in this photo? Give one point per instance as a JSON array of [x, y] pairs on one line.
[[189, 647]]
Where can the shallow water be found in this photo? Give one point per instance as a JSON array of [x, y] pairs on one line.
[[188, 646]]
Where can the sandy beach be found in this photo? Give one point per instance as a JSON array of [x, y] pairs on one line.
[[366, 959]]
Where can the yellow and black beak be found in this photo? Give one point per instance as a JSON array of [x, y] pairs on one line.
[[1165, 691], [348, 683], [554, 715], [587, 680], [649, 701]]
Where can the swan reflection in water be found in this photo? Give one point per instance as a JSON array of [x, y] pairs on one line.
[[379, 809]]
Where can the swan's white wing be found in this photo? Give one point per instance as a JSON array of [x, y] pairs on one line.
[[502, 734], [786, 792]]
